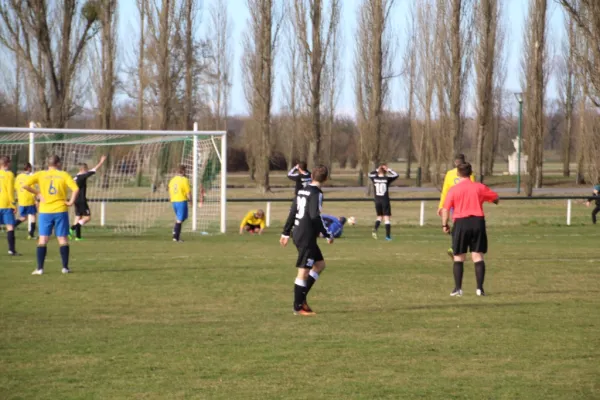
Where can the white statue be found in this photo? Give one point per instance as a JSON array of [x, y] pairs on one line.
[[516, 144]]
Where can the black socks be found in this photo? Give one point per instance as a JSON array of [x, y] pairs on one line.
[[10, 236], [41, 256], [64, 255], [177, 230], [299, 294], [480, 274], [388, 230], [458, 274], [377, 223], [32, 229]]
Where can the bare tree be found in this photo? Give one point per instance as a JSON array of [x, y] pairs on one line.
[[142, 10], [485, 62], [260, 42], [108, 21], [586, 14], [536, 76], [332, 81], [189, 17], [50, 40], [219, 24], [314, 34], [292, 87], [410, 75], [426, 76], [567, 90]]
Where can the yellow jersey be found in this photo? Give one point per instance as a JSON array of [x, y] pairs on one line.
[[179, 189], [450, 180], [250, 219], [7, 189], [53, 185], [24, 198]]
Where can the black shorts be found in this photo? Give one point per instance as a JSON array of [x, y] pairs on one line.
[[308, 256], [252, 227], [82, 209], [468, 234], [383, 207]]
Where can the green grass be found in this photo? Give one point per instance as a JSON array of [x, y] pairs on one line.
[[144, 318]]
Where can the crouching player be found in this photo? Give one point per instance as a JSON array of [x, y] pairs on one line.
[[305, 225], [53, 186], [254, 222], [26, 200]]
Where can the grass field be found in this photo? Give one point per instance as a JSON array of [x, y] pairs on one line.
[[144, 318]]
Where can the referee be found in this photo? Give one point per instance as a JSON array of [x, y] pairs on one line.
[[466, 198]]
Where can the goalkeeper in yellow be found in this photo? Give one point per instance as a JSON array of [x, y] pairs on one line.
[[54, 185], [253, 222], [450, 180], [26, 200], [180, 194], [7, 203]]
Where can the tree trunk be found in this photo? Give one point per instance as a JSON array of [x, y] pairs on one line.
[[141, 74]]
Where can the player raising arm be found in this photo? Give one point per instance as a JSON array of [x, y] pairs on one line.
[[82, 210], [53, 187], [469, 233], [301, 175], [26, 201], [382, 178], [180, 195], [305, 225], [7, 203]]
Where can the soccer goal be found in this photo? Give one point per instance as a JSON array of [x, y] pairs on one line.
[[129, 193]]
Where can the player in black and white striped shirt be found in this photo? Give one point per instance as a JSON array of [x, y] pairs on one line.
[[305, 225], [301, 175], [382, 177]]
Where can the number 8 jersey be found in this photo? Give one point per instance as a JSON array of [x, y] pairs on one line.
[[382, 183], [305, 217], [53, 185]]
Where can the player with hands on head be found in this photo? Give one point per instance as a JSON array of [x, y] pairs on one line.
[[301, 175], [382, 178], [305, 225]]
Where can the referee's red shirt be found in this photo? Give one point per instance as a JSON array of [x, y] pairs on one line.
[[466, 198]]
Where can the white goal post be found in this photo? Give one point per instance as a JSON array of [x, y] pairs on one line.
[[138, 158]]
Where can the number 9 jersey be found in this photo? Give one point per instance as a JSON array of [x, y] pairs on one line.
[[53, 185], [305, 218]]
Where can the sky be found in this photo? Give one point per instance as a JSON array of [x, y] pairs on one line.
[[515, 12]]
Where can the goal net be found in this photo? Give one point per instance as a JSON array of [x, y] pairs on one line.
[[129, 192]]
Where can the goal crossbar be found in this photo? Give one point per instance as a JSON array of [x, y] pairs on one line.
[[123, 137]]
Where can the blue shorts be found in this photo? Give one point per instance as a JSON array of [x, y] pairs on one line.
[[59, 221], [7, 216], [181, 210], [27, 210]]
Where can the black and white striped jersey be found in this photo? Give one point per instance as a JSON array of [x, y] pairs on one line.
[[304, 222]]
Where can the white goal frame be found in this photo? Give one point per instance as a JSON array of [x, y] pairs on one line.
[[195, 133]]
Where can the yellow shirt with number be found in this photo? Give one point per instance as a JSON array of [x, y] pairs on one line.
[[7, 189], [250, 219], [179, 189], [450, 180], [54, 185], [24, 198]]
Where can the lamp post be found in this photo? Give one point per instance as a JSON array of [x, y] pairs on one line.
[[519, 97]]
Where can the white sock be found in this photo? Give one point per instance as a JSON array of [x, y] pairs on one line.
[[388, 222], [300, 282], [314, 274], [82, 223]]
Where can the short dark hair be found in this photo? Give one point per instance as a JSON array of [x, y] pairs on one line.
[[181, 169], [53, 160], [302, 165], [27, 167], [320, 173], [83, 165], [465, 170]]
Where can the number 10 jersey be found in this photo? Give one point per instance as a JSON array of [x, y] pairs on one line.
[[382, 183], [304, 221]]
